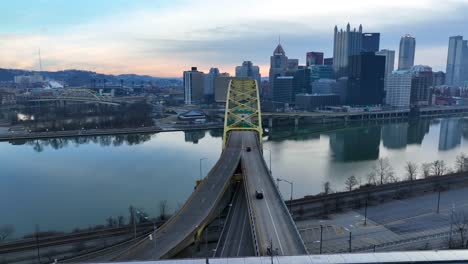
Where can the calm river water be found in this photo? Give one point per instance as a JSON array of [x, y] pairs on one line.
[[61, 184]]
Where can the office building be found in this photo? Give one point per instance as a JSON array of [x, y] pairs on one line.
[[194, 85], [389, 60], [293, 64], [302, 82], [439, 78], [420, 85], [457, 61], [366, 79], [221, 87], [406, 53], [278, 66], [208, 91], [398, 85], [324, 86], [321, 72], [314, 58], [346, 43], [310, 102], [370, 42], [283, 90], [248, 70], [328, 61]]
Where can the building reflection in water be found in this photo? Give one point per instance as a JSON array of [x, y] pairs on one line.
[[450, 133], [395, 136], [355, 144], [417, 129], [194, 136]]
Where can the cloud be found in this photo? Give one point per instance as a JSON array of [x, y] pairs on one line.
[[167, 40]]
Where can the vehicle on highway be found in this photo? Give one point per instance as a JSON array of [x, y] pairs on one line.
[[248, 149], [259, 194]]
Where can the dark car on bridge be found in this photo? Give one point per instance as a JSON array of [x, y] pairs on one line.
[[248, 149], [259, 194]]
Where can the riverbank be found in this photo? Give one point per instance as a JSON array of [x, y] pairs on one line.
[[20, 135]]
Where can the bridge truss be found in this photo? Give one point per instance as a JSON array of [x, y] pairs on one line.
[[242, 108]]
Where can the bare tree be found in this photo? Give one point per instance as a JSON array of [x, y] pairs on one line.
[[426, 170], [461, 162], [6, 231], [110, 221], [371, 178], [383, 170], [438, 168], [327, 188], [411, 170], [131, 217], [162, 209], [351, 181], [120, 220]]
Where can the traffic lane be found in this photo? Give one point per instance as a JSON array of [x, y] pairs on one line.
[[238, 241], [271, 218], [196, 209]]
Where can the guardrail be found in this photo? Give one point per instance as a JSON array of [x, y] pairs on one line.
[[283, 204], [251, 215]]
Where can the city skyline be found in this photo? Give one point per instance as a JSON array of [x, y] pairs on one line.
[[165, 38]]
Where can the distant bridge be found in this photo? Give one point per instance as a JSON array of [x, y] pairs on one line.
[[75, 95]]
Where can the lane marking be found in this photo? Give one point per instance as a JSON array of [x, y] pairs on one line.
[[230, 224], [274, 227], [242, 236]]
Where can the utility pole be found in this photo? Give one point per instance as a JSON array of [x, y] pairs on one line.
[[271, 250], [321, 238], [365, 213], [134, 223], [451, 225], [37, 244], [438, 202], [350, 236]]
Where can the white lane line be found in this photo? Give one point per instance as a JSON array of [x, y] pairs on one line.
[[274, 227], [242, 236], [230, 224]]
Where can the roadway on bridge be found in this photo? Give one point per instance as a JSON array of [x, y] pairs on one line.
[[180, 230], [272, 219]]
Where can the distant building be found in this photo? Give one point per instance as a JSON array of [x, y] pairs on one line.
[[321, 72], [328, 61], [324, 86], [221, 87], [406, 53], [293, 64], [366, 79], [398, 85], [283, 90], [420, 85], [370, 42], [7, 98], [310, 102], [208, 91], [248, 70], [301, 80], [439, 78], [389, 60], [28, 80], [346, 43], [457, 61], [278, 66], [194, 85], [314, 58]]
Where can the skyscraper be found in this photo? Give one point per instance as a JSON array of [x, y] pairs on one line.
[[457, 61], [346, 43], [193, 82], [389, 60], [406, 53], [278, 66], [366, 79], [421, 81], [314, 58], [328, 61], [398, 85], [370, 42], [208, 91], [248, 70]]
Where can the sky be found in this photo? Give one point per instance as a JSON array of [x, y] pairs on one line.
[[164, 38]]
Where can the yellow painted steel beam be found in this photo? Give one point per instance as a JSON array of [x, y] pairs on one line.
[[242, 108]]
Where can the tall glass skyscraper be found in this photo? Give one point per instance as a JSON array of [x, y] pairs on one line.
[[457, 61], [407, 51]]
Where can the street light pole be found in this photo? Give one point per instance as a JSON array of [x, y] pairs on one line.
[[201, 168], [292, 184], [269, 150], [321, 238]]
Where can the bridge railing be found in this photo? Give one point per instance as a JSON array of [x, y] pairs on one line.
[[251, 215]]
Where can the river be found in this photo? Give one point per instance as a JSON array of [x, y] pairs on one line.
[[67, 183]]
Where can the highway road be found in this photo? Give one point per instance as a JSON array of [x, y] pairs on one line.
[[236, 239], [180, 230], [272, 219]]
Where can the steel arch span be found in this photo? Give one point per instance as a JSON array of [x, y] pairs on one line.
[[242, 108]]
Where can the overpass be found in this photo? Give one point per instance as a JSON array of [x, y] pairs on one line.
[[272, 230], [74, 95]]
